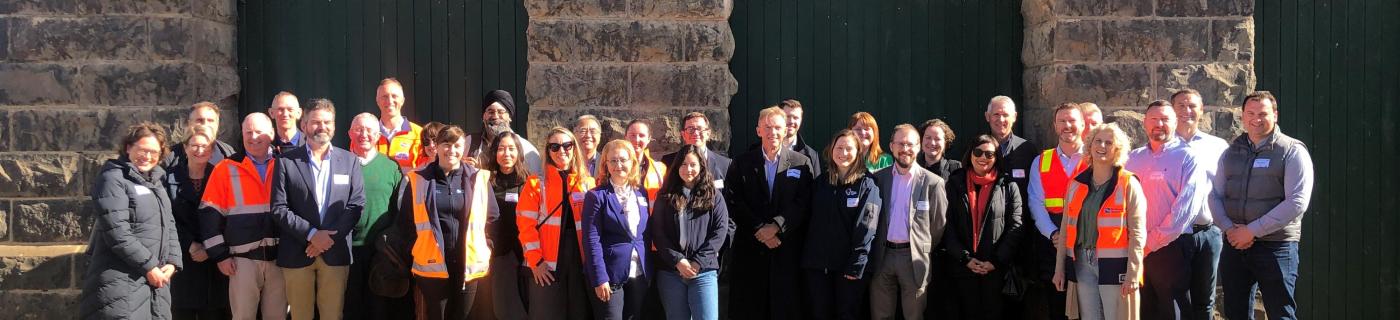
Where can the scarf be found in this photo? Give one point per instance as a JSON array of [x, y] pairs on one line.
[[979, 201]]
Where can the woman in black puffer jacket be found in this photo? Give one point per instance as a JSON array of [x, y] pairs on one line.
[[134, 248]]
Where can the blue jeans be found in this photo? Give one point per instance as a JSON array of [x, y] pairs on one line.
[[1203, 272], [1269, 266], [695, 298]]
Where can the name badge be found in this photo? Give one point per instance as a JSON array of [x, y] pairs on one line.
[[1158, 176], [719, 184], [1018, 173], [576, 196], [1261, 163], [458, 191], [921, 205], [641, 203], [401, 156], [793, 173], [341, 179], [512, 197], [851, 202], [141, 190]]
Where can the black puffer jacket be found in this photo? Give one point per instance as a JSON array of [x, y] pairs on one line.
[[135, 232]]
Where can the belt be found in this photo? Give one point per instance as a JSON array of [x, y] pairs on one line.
[[1201, 227], [896, 245]]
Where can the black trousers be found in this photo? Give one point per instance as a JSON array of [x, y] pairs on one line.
[[831, 296], [443, 299], [980, 295], [360, 302], [625, 302]]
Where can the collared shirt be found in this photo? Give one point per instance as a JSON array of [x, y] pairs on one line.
[[899, 208], [261, 165], [1036, 192], [321, 171], [1207, 149], [387, 132], [369, 156], [1173, 183], [770, 169], [279, 146]]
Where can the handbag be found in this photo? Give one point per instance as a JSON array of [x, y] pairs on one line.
[[388, 272], [1013, 286]]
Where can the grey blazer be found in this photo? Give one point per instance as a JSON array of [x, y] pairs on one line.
[[928, 204]]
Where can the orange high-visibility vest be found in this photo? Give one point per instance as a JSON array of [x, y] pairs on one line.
[[233, 188], [652, 178], [404, 147], [428, 252], [1112, 219], [539, 214], [1054, 179]]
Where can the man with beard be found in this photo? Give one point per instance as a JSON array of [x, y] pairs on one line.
[[589, 133], [1207, 149], [498, 108], [912, 218], [768, 191], [317, 198], [286, 114], [1050, 177], [1176, 188], [398, 137]]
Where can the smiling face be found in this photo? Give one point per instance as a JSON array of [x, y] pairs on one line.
[[449, 156], [1260, 116], [689, 170], [794, 121], [934, 142], [1069, 125], [905, 146], [561, 151], [285, 112], [843, 153], [204, 120], [1102, 147], [1160, 124], [319, 125], [199, 149], [588, 133], [363, 136], [257, 136], [145, 153], [984, 156], [773, 131], [639, 134], [506, 153], [695, 131], [1188, 108], [865, 133], [1001, 116], [619, 162], [390, 99]]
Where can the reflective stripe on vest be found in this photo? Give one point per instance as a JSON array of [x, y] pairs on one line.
[[1054, 180], [1111, 220], [428, 261]]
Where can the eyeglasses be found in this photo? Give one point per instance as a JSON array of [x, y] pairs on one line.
[[979, 153], [695, 129], [555, 147]]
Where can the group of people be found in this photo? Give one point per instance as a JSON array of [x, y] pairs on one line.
[[438, 223]]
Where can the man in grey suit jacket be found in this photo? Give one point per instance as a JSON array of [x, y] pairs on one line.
[[317, 197], [911, 224]]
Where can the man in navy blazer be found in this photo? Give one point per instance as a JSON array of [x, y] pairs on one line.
[[317, 197]]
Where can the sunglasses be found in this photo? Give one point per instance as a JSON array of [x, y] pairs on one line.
[[555, 147], [979, 153]]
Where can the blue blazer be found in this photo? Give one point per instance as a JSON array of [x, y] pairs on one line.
[[607, 244], [294, 205]]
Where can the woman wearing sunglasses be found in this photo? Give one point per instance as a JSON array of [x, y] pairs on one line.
[[984, 227], [549, 218], [1105, 233]]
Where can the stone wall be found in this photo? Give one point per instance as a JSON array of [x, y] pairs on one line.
[[73, 75], [1122, 54], [630, 59]]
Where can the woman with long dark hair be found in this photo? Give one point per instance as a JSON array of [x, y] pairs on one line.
[[845, 210], [505, 159], [688, 226], [984, 227]]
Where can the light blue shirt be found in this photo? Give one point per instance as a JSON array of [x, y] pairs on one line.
[[321, 172], [1207, 149], [1175, 187], [770, 169], [261, 165], [1036, 192]]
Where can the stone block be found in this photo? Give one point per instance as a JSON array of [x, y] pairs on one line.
[[1233, 8], [40, 175], [1036, 12], [38, 6], [655, 41], [708, 41], [575, 85], [94, 37], [36, 272], [1077, 40], [1106, 85], [575, 8], [4, 131], [578, 41], [1181, 8], [34, 305], [1222, 122], [683, 9], [1155, 40], [37, 84], [1232, 40], [51, 129], [1131, 123], [55, 220], [224, 11], [1220, 84], [4, 221], [219, 84], [1036, 49], [665, 123], [1093, 8], [141, 83], [199, 40], [682, 85]]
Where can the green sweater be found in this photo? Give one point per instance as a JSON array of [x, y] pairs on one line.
[[381, 177]]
